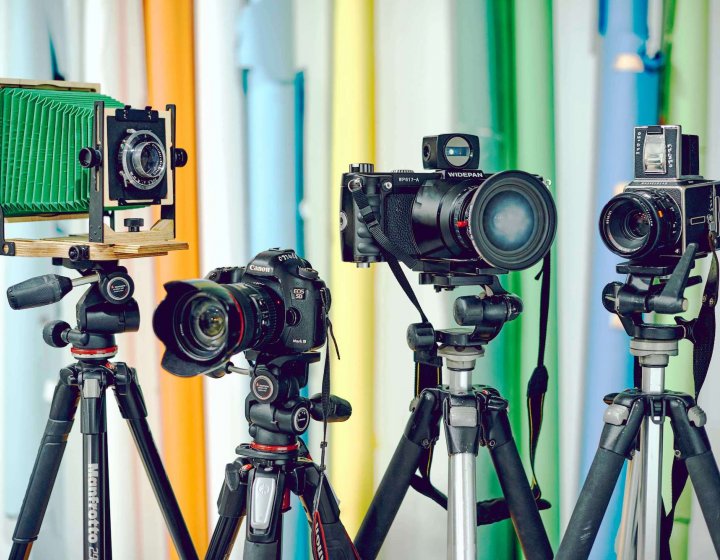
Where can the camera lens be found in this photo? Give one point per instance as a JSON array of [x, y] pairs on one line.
[[510, 220], [148, 160], [203, 323], [142, 159], [639, 223]]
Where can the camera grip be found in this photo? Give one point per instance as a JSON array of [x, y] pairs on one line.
[[38, 291]]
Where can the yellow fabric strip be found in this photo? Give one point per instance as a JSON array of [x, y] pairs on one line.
[[353, 140], [171, 79]]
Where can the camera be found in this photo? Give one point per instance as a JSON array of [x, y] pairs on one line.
[[453, 218], [668, 205], [276, 305]]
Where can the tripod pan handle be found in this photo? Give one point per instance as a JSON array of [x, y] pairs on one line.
[[39, 291]]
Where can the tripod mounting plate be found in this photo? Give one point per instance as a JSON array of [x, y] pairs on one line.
[[450, 280]]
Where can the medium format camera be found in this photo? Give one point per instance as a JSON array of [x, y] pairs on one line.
[[277, 305], [667, 206], [454, 218]]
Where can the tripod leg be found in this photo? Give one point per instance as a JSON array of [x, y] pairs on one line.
[[231, 507], [265, 490], [329, 538], [423, 426], [93, 420], [132, 408], [514, 483], [622, 424], [52, 446], [693, 444]]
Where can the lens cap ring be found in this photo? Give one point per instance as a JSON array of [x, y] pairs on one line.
[[527, 195]]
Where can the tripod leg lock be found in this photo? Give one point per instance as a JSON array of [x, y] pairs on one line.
[[231, 502], [461, 414], [128, 393], [619, 433], [690, 438]]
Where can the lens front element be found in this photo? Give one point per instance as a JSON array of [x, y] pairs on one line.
[[203, 324], [142, 159], [637, 223], [511, 220]]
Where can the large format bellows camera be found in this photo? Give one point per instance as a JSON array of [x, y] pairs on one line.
[[277, 305], [66, 151], [668, 205], [455, 218]]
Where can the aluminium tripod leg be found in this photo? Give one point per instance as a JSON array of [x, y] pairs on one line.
[[422, 427], [694, 447], [515, 487], [329, 538], [231, 508], [622, 425], [132, 408], [52, 446]]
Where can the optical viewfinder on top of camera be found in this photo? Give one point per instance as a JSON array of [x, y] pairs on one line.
[[455, 219], [667, 206]]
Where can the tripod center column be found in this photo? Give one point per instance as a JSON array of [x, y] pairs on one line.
[[461, 429], [654, 356]]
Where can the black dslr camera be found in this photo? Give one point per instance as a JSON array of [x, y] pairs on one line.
[[276, 305], [668, 205], [455, 218]]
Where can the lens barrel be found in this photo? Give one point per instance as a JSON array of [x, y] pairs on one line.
[[639, 223], [203, 323]]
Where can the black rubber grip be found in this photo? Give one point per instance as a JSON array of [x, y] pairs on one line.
[[387, 500], [591, 505], [705, 477], [38, 291], [520, 502]]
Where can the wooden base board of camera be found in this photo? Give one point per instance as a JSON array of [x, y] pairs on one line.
[[157, 241], [63, 247]]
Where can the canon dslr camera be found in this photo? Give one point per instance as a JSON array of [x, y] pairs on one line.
[[667, 206], [454, 218], [277, 305]]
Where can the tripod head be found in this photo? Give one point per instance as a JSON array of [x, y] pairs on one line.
[[274, 408], [485, 314], [659, 288], [107, 308]]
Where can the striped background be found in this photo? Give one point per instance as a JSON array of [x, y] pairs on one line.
[[275, 98]]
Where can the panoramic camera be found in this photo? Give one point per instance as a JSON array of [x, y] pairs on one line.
[[668, 205], [276, 305], [454, 218]]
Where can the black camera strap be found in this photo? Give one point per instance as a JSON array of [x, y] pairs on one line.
[[428, 367], [325, 395], [701, 332]]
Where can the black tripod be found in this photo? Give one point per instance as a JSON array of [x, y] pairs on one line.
[[258, 483], [106, 309], [634, 418], [472, 415]]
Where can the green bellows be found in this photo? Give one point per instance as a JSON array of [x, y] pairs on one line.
[[41, 135]]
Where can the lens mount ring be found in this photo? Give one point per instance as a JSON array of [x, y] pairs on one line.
[[512, 220], [143, 159]]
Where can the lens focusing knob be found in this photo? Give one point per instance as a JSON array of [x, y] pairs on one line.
[[180, 157], [90, 157]]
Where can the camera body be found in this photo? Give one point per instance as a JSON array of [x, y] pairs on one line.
[[451, 218], [276, 305], [668, 205], [302, 299]]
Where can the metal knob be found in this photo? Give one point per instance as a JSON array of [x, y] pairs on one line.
[[134, 224]]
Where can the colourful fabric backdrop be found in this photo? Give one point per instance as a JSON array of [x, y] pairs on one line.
[[275, 98]]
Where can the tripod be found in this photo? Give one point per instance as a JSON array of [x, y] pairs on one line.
[[276, 462], [472, 415], [107, 308], [634, 418]]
